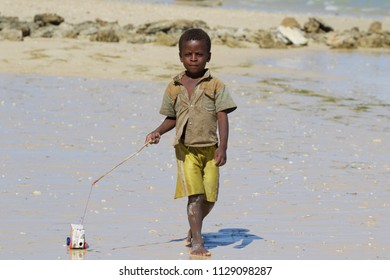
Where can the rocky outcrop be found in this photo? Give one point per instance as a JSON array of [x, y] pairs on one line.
[[289, 33]]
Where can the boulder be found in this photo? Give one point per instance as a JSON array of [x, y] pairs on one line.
[[44, 32], [138, 38], [266, 40], [375, 27], [315, 25], [167, 32], [290, 22], [290, 36], [373, 40], [65, 30], [11, 34], [106, 35], [341, 41], [86, 28], [231, 37], [386, 40], [46, 19], [164, 39]]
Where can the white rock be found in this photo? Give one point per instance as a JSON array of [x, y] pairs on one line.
[[293, 35]]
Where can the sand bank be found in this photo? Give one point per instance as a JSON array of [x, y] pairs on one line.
[[127, 61]]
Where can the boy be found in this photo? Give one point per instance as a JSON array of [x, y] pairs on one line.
[[197, 104]]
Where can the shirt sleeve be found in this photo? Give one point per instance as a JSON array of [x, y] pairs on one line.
[[168, 105], [224, 101]]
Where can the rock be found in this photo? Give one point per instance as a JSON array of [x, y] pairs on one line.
[[11, 34], [290, 22], [371, 41], [386, 40], [375, 27], [266, 40], [44, 32], [65, 30], [45, 19], [318, 38], [107, 35], [125, 32], [8, 19], [167, 32], [166, 40], [14, 23], [290, 36], [341, 41], [137, 39], [24, 27], [104, 23], [231, 37], [173, 26], [86, 28], [232, 42], [315, 25]]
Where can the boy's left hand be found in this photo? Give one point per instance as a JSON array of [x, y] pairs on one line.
[[220, 157]]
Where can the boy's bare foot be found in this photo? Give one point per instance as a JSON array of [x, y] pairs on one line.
[[200, 250]]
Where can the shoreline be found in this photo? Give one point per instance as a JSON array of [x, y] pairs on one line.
[[139, 13], [123, 60]]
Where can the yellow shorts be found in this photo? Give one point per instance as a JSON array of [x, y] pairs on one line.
[[197, 172]]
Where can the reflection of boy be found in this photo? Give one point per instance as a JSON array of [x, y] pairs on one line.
[[197, 104]]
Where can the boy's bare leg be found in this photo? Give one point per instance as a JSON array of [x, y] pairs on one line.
[[197, 209], [207, 206]]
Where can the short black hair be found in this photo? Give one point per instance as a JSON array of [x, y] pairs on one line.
[[196, 34]]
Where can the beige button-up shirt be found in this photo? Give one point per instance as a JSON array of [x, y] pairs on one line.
[[198, 115]]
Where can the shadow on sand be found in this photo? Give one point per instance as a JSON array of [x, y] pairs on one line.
[[229, 236], [226, 237]]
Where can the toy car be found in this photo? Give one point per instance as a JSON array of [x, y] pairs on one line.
[[77, 237]]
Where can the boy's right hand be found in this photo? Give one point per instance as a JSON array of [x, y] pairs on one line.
[[153, 137]]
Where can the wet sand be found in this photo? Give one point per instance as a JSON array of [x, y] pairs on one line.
[[307, 172]]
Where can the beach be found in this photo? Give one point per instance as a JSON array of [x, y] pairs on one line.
[[307, 172]]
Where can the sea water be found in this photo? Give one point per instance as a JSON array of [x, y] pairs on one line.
[[370, 8]]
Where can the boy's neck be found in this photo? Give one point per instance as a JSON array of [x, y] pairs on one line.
[[195, 76]]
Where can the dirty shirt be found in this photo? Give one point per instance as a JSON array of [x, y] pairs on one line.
[[196, 118]]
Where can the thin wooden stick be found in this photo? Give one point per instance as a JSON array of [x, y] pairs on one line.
[[109, 171], [122, 162]]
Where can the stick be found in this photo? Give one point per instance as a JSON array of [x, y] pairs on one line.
[[101, 177], [122, 162]]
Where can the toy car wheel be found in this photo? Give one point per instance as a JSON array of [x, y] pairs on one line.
[[67, 241]]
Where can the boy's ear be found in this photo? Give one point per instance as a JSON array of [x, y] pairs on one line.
[[208, 60], [180, 57]]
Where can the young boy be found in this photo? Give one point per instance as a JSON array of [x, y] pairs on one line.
[[197, 104]]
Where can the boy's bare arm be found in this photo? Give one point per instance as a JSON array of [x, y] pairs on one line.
[[167, 125], [223, 129]]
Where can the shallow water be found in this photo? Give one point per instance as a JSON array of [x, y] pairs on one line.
[[373, 8], [307, 174]]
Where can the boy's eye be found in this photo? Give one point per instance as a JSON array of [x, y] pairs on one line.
[[196, 54]]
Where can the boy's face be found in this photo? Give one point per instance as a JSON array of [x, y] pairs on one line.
[[194, 56]]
